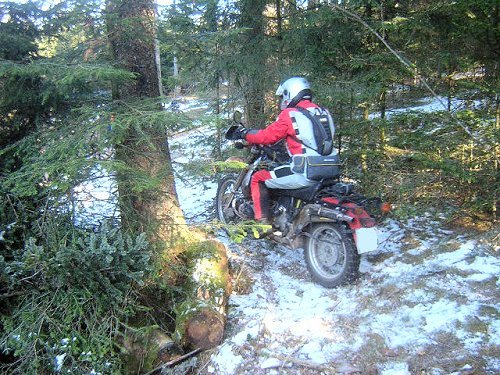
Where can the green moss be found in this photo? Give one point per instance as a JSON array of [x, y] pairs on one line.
[[233, 165], [207, 285]]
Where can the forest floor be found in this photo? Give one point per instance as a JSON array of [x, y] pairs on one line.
[[426, 301]]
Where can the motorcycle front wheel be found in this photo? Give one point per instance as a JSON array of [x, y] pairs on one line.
[[223, 209], [331, 255]]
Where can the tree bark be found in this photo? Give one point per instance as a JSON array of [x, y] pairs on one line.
[[279, 30], [132, 36], [254, 60], [148, 200]]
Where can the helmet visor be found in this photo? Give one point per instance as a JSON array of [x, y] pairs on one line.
[[280, 90]]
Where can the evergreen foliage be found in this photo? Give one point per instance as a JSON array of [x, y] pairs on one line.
[[69, 291], [18, 31], [427, 159], [67, 276]]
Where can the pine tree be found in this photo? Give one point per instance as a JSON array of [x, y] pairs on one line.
[[155, 208]]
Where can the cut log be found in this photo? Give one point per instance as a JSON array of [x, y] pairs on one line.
[[201, 317], [146, 347]]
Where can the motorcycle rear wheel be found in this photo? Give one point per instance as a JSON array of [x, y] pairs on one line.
[[223, 209], [331, 255]]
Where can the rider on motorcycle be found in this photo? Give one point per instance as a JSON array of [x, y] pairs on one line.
[[295, 128]]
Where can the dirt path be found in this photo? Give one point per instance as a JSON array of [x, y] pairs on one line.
[[426, 302]]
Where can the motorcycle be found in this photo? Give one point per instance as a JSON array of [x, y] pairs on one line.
[[329, 220]]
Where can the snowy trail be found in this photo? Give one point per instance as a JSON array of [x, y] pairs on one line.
[[427, 301], [400, 316]]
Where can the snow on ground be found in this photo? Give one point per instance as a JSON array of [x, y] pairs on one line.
[[196, 194], [432, 104], [95, 200], [426, 301], [420, 303]]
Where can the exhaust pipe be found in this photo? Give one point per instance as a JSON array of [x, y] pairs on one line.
[[313, 211], [316, 209]]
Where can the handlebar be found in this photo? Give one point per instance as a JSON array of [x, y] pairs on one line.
[[233, 134], [256, 149]]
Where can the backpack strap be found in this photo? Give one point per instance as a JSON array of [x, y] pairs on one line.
[[302, 143], [296, 139]]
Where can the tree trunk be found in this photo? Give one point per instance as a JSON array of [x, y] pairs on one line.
[[364, 138], [496, 153], [254, 60], [383, 103], [132, 35], [383, 106], [147, 193], [148, 201], [279, 30], [177, 88]]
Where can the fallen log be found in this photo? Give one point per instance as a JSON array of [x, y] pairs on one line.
[[201, 317], [146, 347]]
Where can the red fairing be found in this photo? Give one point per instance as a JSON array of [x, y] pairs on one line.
[[360, 216], [282, 128]]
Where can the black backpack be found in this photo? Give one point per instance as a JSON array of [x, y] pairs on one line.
[[321, 130]]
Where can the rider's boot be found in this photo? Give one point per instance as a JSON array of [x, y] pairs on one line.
[[246, 210]]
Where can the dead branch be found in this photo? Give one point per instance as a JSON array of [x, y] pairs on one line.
[[174, 361], [307, 364], [411, 67]]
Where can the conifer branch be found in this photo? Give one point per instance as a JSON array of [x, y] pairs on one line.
[[411, 67]]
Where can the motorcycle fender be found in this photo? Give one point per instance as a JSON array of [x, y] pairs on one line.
[[366, 239], [362, 226], [246, 180], [250, 172]]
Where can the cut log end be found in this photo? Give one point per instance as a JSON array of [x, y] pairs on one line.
[[205, 330]]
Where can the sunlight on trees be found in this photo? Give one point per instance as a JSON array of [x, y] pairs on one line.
[[80, 87]]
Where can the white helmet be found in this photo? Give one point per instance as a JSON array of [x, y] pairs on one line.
[[293, 90]]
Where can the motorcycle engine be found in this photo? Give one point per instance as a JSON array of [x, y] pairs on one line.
[[281, 211]]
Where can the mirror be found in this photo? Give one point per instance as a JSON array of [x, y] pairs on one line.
[[237, 117]]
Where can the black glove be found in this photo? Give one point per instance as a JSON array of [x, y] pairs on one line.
[[240, 132]]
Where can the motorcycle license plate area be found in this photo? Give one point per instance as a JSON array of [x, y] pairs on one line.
[[366, 239]]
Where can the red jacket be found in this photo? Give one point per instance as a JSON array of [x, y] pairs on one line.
[[282, 128]]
